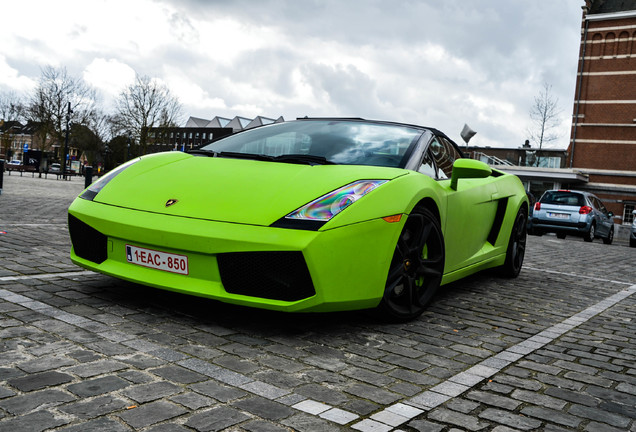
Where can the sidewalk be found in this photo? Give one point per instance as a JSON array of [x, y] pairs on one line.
[[553, 350]]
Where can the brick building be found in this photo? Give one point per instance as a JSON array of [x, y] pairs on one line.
[[603, 137]]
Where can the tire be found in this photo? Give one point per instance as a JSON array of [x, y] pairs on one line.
[[610, 237], [516, 246], [632, 243], [589, 236], [416, 268], [561, 235]]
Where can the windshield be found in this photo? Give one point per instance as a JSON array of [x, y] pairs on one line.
[[334, 141], [563, 198]]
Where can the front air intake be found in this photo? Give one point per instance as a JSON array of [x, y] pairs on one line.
[[270, 275], [88, 243]]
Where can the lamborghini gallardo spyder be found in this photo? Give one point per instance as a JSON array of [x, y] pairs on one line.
[[306, 215]]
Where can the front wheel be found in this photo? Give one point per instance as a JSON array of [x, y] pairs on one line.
[[589, 236], [416, 269], [610, 236], [516, 246]]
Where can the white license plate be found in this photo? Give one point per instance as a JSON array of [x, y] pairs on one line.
[[559, 215], [165, 261]]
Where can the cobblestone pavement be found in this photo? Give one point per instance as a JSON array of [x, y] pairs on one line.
[[554, 349]]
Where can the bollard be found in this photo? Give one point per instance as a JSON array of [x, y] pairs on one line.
[[1, 174], [88, 171]]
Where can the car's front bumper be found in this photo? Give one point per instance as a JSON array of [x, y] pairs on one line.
[[347, 266]]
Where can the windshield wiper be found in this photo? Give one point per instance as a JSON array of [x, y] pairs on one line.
[[237, 155], [210, 153], [303, 159]]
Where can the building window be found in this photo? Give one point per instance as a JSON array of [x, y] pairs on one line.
[[628, 217]]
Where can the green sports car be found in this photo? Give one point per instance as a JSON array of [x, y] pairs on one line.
[[305, 215]]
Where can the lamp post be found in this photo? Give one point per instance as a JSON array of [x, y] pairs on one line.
[[68, 119]]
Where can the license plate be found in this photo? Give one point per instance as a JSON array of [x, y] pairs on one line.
[[155, 259], [559, 215]]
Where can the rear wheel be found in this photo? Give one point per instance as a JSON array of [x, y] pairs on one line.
[[561, 235], [632, 243], [416, 269], [516, 246], [589, 236], [610, 236]]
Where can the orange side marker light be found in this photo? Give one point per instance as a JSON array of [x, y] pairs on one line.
[[393, 219]]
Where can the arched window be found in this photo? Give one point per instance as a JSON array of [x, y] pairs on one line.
[[623, 44], [609, 47], [597, 45]]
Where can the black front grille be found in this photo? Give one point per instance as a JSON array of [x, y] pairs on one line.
[[271, 275], [88, 243]]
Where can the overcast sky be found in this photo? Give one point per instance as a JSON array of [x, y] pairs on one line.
[[429, 62]]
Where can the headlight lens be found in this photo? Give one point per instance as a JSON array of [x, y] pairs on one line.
[[327, 206], [91, 192]]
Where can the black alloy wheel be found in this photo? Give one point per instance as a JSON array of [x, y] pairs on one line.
[[516, 246], [416, 269]]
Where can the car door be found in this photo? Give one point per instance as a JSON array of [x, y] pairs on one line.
[[471, 210], [604, 220]]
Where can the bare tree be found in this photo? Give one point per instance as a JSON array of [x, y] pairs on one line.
[[545, 115], [50, 101], [144, 105], [11, 107]]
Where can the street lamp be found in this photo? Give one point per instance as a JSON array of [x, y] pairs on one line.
[[68, 120]]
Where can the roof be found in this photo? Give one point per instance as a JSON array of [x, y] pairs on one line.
[[538, 173], [611, 6]]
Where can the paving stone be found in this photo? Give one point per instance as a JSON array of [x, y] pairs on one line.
[[33, 422], [178, 374], [98, 386], [45, 363], [95, 407], [28, 402], [264, 408], [372, 393], [494, 400], [601, 416], [308, 423], [552, 416], [100, 367], [262, 426], [216, 419], [98, 425], [510, 419], [149, 392], [467, 422], [151, 413], [218, 391], [40, 380], [193, 400], [169, 427]]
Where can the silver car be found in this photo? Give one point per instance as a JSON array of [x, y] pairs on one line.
[[571, 212]]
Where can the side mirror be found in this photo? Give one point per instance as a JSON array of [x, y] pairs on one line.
[[610, 214], [468, 168]]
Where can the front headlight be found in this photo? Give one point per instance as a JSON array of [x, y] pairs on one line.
[[327, 206], [91, 192]]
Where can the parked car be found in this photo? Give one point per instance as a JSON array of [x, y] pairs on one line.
[[55, 168], [632, 234], [571, 212], [13, 165], [306, 215]]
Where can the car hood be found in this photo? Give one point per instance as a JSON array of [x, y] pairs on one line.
[[229, 190]]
